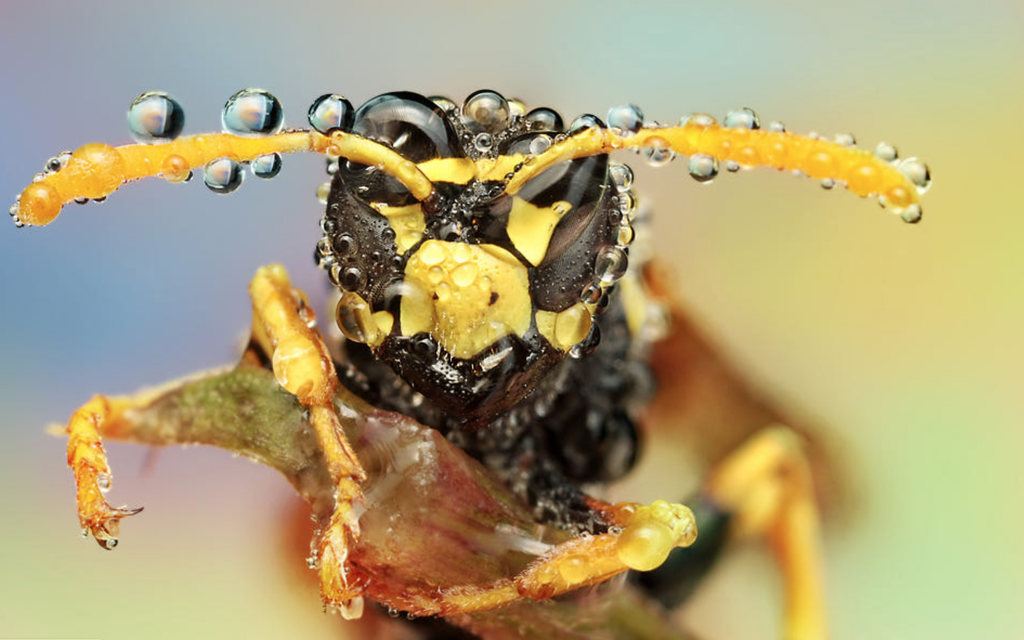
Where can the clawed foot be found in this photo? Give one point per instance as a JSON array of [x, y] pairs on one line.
[[337, 587], [640, 538], [88, 462]]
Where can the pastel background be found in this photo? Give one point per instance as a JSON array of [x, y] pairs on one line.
[[904, 342]]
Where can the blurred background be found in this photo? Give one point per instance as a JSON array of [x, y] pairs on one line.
[[903, 342]]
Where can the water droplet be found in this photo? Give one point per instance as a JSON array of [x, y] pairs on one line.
[[610, 264], [621, 175], [657, 152], [845, 140], [311, 562], [628, 118], [539, 145], [103, 481], [776, 127], [432, 253], [516, 107], [918, 173], [323, 192], [331, 111], [887, 152], [446, 104], [698, 120], [175, 169], [625, 235], [461, 252], [744, 118], [223, 175], [266, 166], [828, 183], [465, 274], [351, 609], [912, 214], [354, 318], [586, 121], [345, 244], [572, 326], [252, 112], [435, 275], [627, 205], [544, 119], [487, 110], [332, 268], [732, 166], [588, 345], [703, 168], [155, 117], [591, 293], [483, 142], [352, 279], [55, 164]]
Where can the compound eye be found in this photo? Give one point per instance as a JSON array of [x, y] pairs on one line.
[[559, 221], [411, 124], [579, 184]]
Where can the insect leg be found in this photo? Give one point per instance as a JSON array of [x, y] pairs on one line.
[[641, 539], [283, 326], [88, 462], [675, 580], [766, 484]]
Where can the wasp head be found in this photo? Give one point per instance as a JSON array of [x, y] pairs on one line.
[[472, 297]]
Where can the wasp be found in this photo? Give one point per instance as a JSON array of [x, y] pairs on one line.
[[497, 320]]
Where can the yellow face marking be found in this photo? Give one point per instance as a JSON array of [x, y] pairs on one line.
[[567, 328], [384, 321], [465, 296], [530, 227], [495, 169], [462, 170], [453, 170], [407, 222]]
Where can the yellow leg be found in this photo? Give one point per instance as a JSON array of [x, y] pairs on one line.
[[88, 462], [767, 485], [284, 324], [642, 538]]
